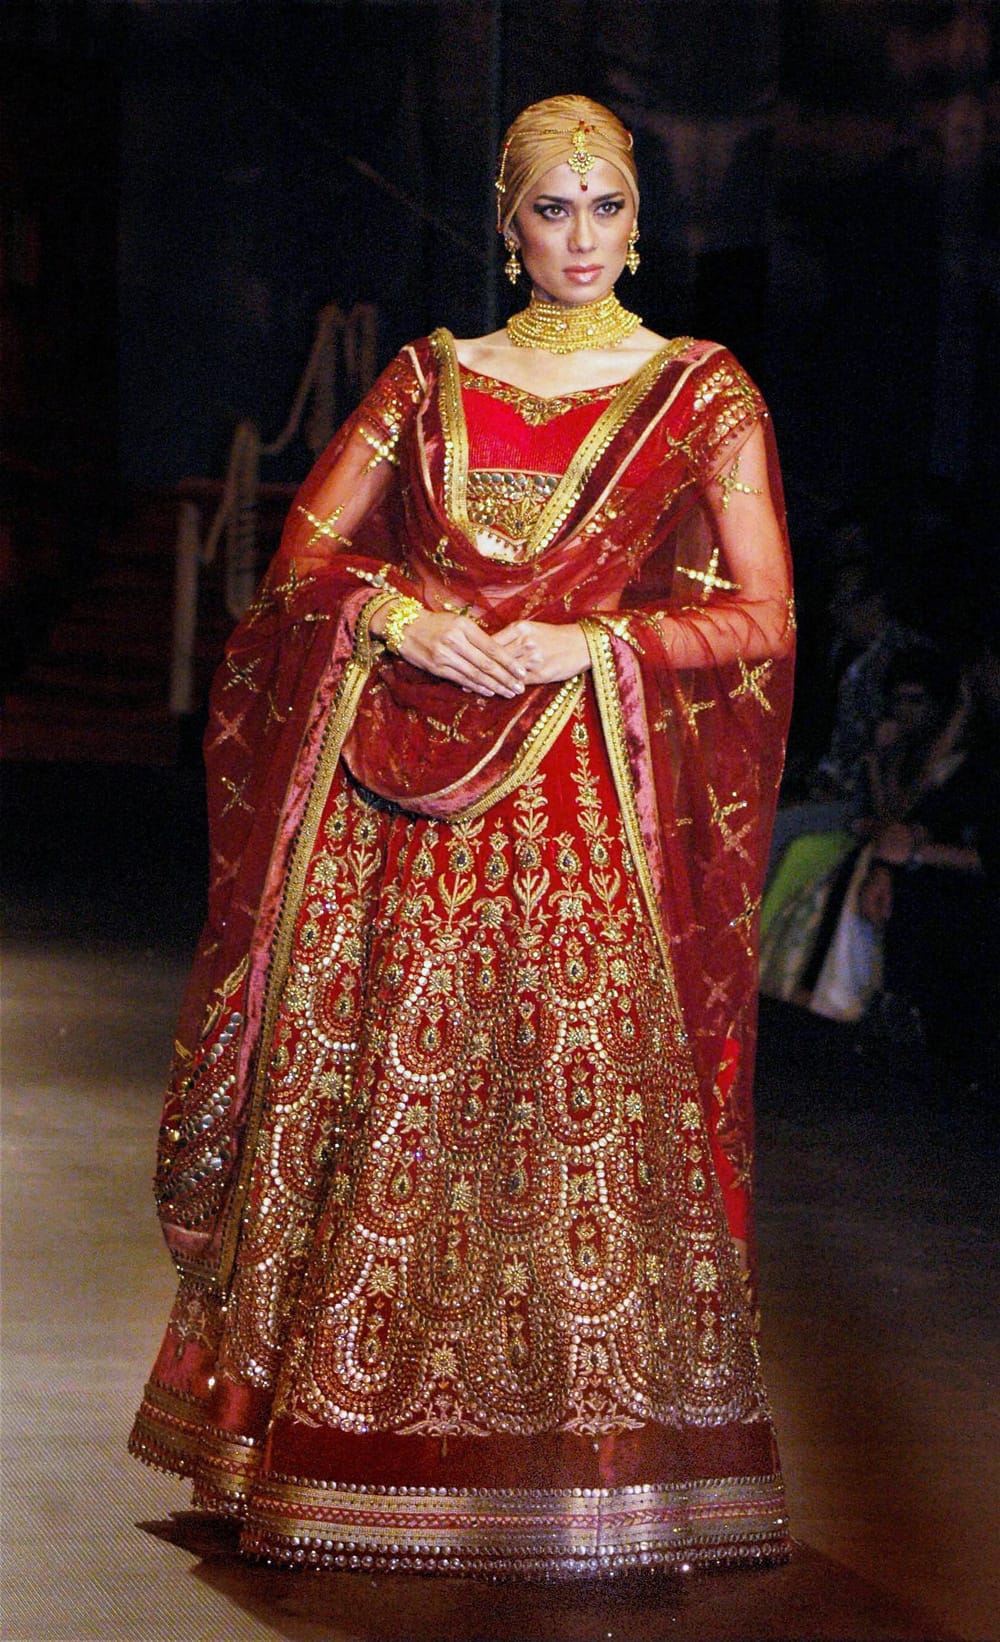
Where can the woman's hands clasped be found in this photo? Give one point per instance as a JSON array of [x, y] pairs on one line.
[[548, 651], [452, 646]]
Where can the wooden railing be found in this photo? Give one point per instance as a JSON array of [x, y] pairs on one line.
[[343, 356]]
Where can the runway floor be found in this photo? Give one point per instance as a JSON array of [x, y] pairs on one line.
[[876, 1188]]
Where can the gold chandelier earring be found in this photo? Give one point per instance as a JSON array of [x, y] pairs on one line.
[[632, 258], [511, 267]]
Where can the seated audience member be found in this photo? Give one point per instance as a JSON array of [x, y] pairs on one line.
[[830, 937], [867, 638], [932, 889], [865, 633]]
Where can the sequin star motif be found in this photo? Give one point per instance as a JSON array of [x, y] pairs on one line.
[[450, 732], [730, 482], [325, 529], [710, 578], [229, 729], [273, 714], [285, 589], [744, 919], [750, 682], [240, 674], [236, 790]]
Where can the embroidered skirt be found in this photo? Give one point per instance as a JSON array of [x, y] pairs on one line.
[[486, 1316]]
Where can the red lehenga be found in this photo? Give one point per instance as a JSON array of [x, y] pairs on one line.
[[455, 1160]]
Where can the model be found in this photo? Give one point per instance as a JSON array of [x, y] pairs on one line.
[[455, 1161]]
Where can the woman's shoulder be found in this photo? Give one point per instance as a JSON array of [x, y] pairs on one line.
[[702, 350], [719, 371]]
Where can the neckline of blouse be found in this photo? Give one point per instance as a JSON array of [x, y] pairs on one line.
[[583, 395]]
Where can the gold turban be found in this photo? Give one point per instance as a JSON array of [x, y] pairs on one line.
[[558, 130]]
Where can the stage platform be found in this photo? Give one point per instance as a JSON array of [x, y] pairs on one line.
[[877, 1185]]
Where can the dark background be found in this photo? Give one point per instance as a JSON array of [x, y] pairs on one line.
[[185, 184], [182, 186]]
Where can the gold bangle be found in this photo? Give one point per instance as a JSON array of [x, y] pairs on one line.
[[402, 612]]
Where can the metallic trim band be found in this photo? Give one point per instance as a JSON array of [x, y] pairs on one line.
[[613, 723], [508, 1532]]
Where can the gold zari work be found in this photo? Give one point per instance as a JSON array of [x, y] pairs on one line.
[[532, 408], [506, 1230], [622, 402], [534, 1532], [505, 505], [388, 407]]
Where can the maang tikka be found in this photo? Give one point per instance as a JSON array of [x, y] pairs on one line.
[[511, 267]]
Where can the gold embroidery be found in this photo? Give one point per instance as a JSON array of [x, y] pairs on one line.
[[730, 482], [750, 682], [710, 578], [612, 719], [567, 492], [731, 839], [517, 1533], [592, 447], [535, 745], [237, 673], [505, 503], [450, 731], [389, 406], [744, 920], [339, 722], [532, 408], [725, 401], [471, 1183], [325, 529]]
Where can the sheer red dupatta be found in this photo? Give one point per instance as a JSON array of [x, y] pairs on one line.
[[695, 694], [640, 542], [280, 707]]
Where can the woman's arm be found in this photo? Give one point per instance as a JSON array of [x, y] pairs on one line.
[[749, 619]]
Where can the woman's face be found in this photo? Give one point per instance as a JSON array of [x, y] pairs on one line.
[[574, 239]]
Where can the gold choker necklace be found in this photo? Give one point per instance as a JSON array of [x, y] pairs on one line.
[[564, 329]]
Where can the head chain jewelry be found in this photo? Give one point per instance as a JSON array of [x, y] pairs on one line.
[[580, 160]]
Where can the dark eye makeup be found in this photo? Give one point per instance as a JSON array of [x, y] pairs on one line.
[[551, 209]]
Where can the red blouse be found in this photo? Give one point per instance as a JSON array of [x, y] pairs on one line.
[[519, 447]]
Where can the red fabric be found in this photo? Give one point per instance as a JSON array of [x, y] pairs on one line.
[[559, 1459], [499, 436], [704, 731]]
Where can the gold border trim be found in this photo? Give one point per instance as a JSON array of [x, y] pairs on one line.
[[543, 735], [627, 396], [715, 1521], [454, 431], [647, 432], [338, 723], [607, 427], [613, 723]]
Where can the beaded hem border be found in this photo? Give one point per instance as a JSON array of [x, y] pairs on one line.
[[272, 1550], [170, 1434], [496, 1534], [558, 1533]]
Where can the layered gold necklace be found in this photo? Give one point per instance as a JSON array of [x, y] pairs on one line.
[[560, 328]]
